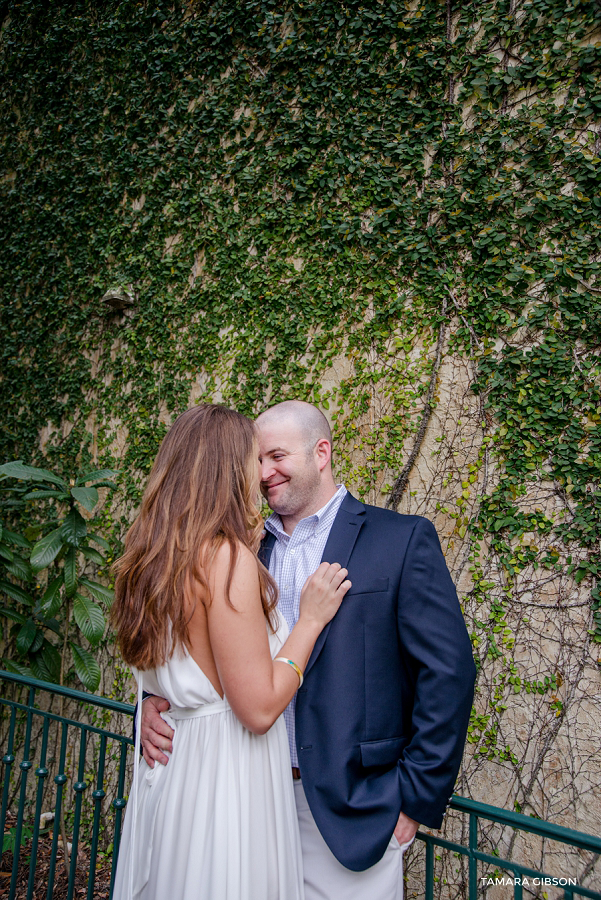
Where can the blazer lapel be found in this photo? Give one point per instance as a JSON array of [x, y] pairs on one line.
[[266, 548], [339, 546]]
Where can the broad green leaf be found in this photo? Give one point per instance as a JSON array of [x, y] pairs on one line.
[[13, 615], [70, 571], [43, 495], [39, 668], [16, 668], [13, 538], [87, 496], [89, 617], [94, 555], [20, 568], [86, 667], [97, 475], [74, 528], [100, 541], [16, 592], [52, 659], [6, 553], [51, 600], [38, 641], [26, 636], [31, 473], [46, 550], [99, 591]]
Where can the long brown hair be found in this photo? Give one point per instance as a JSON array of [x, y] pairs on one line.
[[202, 492]]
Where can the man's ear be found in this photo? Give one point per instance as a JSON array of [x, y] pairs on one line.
[[323, 453]]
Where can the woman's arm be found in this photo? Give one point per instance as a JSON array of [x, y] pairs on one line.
[[257, 688]]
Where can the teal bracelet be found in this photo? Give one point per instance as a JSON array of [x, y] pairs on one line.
[[294, 666]]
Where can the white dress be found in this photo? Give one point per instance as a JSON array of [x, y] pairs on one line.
[[219, 821]]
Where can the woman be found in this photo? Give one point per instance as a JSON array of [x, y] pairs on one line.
[[195, 614]]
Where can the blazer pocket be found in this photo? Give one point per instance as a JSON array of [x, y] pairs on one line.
[[382, 753], [375, 586]]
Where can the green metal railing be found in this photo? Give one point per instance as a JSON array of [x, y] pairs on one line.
[[521, 875], [87, 739], [92, 740]]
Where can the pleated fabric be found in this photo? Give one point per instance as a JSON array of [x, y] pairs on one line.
[[218, 822]]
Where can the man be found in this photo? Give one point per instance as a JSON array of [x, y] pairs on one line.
[[377, 729]]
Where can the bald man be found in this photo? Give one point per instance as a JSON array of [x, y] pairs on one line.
[[377, 729]]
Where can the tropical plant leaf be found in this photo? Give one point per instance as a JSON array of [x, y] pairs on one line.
[[20, 568], [97, 475], [100, 541], [87, 496], [46, 550], [51, 600], [26, 636], [52, 660], [13, 538], [39, 668], [43, 495], [94, 555], [89, 617], [70, 571], [86, 667], [13, 615], [17, 469], [74, 528], [16, 592], [99, 591], [6, 553], [16, 668]]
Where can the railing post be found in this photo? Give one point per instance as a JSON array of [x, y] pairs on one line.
[[8, 760], [429, 870], [473, 862], [59, 781], [120, 803], [25, 766], [79, 787], [98, 797], [41, 774]]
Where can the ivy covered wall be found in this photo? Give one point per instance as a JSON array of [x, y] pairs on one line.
[[390, 209]]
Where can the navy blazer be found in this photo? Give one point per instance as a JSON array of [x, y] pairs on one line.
[[382, 716]]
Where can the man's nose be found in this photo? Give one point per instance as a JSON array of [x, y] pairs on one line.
[[267, 469]]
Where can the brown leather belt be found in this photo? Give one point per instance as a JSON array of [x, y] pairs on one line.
[[296, 773]]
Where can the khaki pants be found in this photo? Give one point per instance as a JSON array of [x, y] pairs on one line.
[[327, 879]]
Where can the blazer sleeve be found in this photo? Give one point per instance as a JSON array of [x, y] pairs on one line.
[[437, 651]]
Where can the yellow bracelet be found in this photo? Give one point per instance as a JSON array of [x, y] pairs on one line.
[[294, 666]]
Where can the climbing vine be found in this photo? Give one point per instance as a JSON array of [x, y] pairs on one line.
[[326, 200]]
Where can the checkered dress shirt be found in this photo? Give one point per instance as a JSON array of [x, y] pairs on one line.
[[294, 557]]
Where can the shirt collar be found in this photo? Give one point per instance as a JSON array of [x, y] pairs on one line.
[[321, 517]]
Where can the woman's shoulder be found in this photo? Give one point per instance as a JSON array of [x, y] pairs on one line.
[[239, 558]]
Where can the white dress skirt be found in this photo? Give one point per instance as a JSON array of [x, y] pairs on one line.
[[219, 821]]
